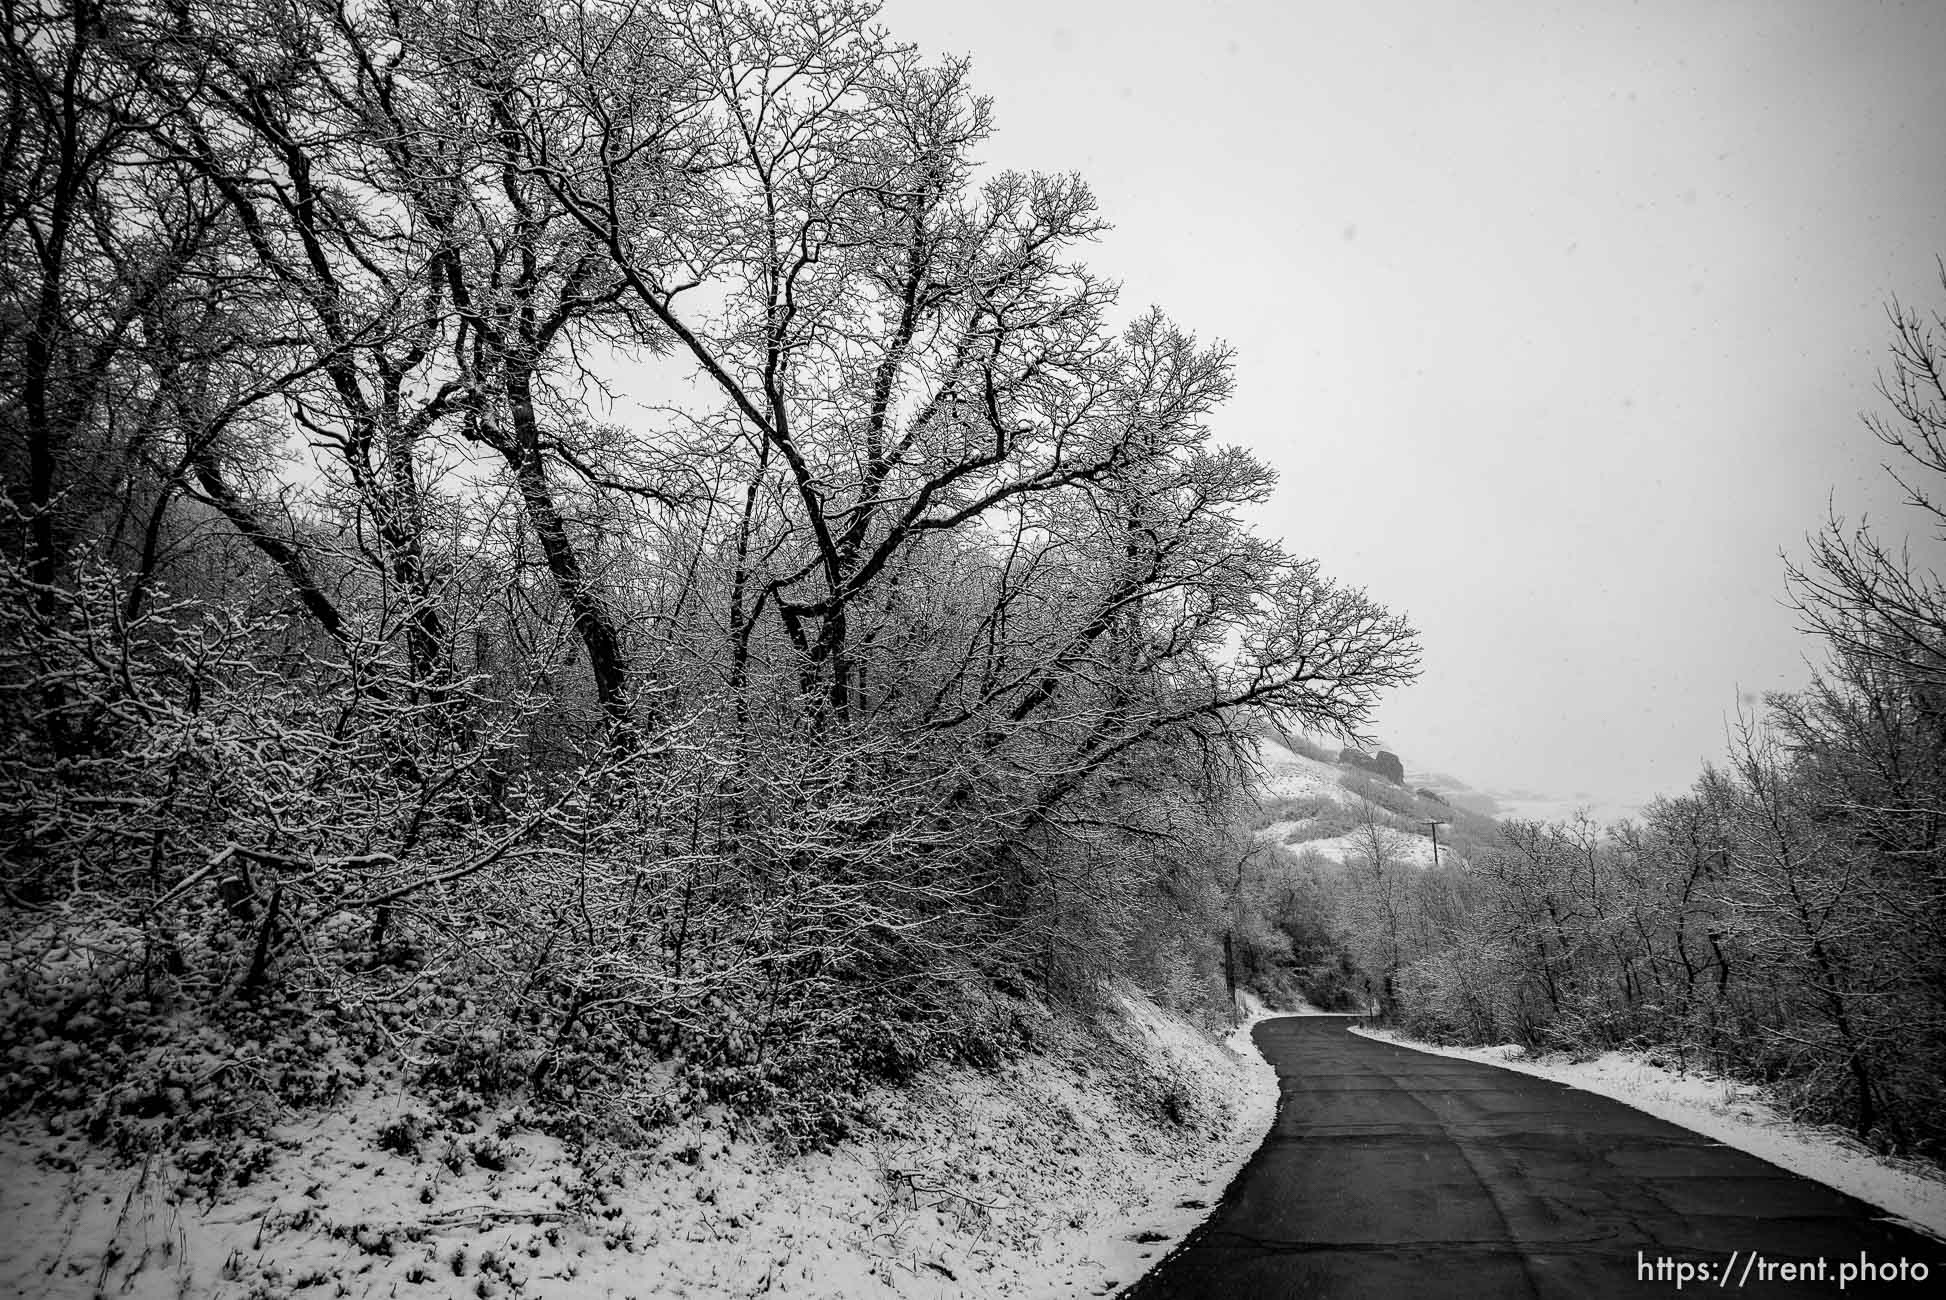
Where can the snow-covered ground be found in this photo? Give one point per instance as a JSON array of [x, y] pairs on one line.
[[1055, 1176], [1405, 850], [1288, 774], [1731, 1113]]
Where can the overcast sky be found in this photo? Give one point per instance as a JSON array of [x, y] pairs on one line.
[[1557, 319]]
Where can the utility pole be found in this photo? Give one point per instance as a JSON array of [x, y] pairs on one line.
[[1432, 826]]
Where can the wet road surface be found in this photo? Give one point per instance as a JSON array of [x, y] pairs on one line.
[[1394, 1173]]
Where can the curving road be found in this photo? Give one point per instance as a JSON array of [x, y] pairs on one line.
[[1392, 1173]]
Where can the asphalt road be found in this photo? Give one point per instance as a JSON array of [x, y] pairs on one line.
[[1392, 1173]]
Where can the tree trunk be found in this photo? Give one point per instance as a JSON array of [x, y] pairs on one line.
[[592, 621]]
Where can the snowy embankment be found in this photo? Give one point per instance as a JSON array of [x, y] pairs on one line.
[[1066, 1173], [1731, 1113]]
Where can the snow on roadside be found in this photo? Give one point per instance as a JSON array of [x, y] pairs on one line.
[[1117, 1250], [1061, 1174], [1732, 1113]]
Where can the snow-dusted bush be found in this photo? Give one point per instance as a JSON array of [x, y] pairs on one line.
[[193, 829]]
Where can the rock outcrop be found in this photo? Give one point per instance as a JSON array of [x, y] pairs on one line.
[[1384, 763]]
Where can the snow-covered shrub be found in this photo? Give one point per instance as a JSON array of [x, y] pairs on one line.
[[200, 831]]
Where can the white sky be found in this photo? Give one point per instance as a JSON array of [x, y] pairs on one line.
[[1557, 319]]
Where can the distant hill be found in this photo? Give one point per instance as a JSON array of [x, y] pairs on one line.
[[1525, 805], [1457, 792], [1312, 802], [1310, 796]]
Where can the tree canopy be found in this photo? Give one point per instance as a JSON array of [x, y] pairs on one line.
[[908, 637]]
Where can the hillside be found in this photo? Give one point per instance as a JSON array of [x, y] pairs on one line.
[[1312, 803], [1336, 857], [1058, 1173]]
